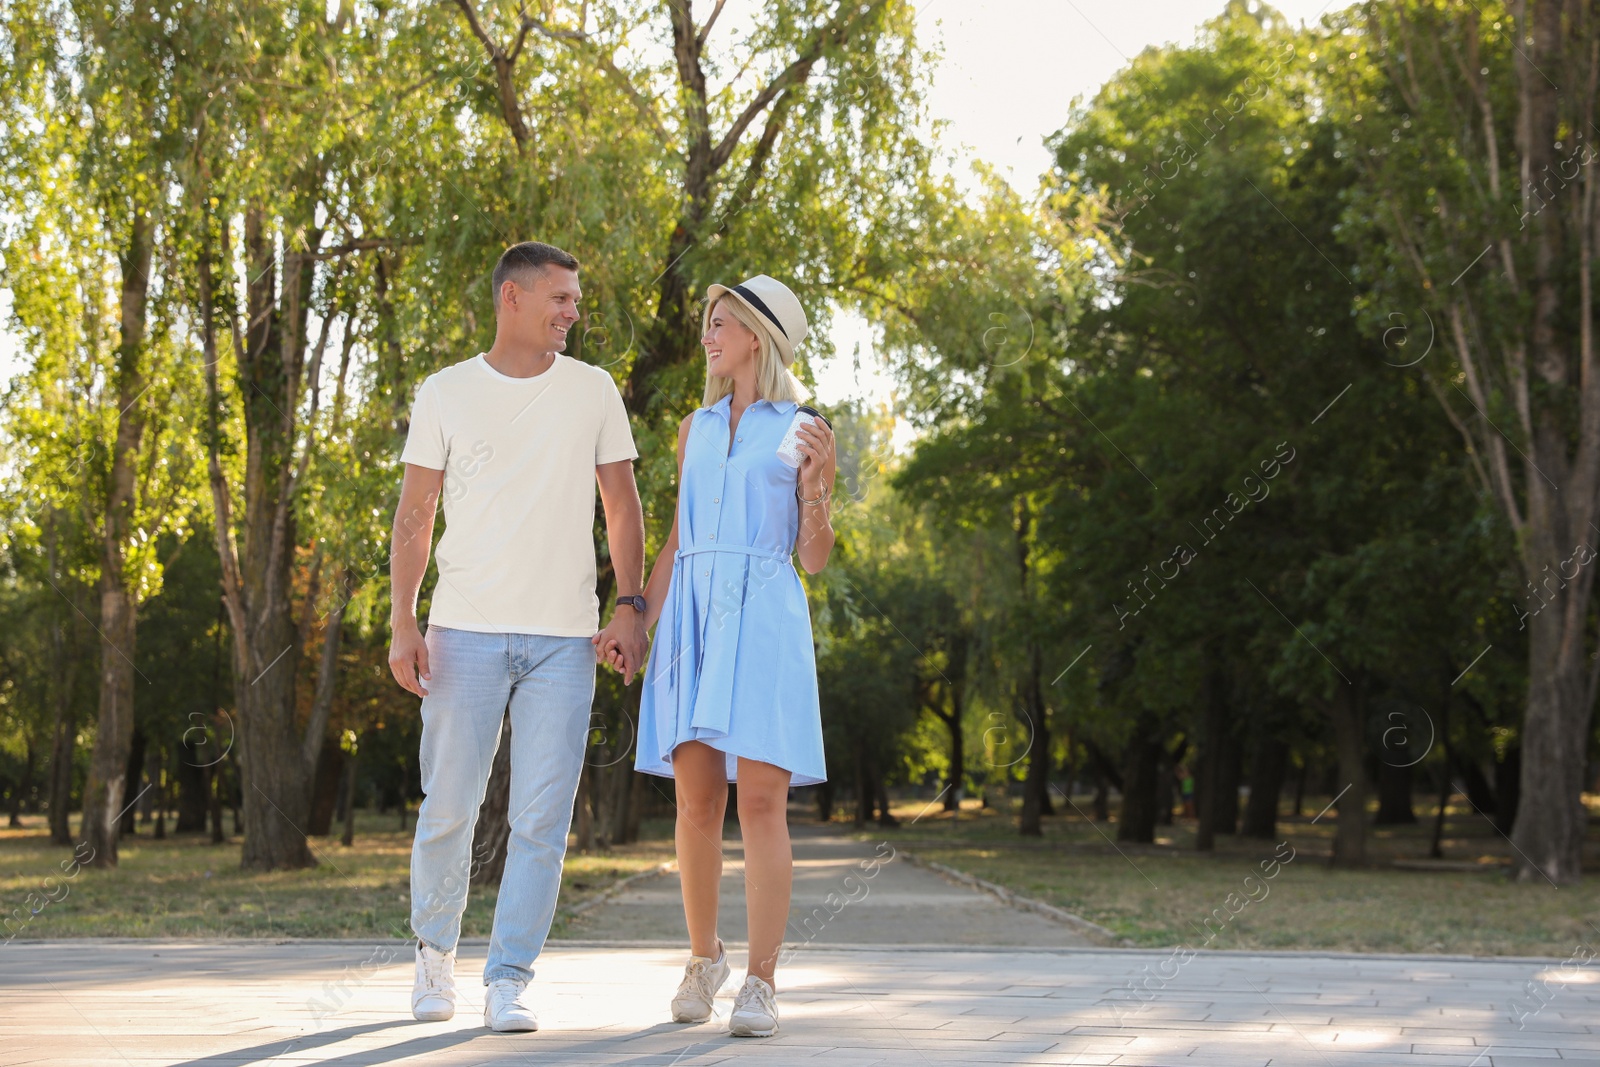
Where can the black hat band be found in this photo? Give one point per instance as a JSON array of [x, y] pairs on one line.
[[755, 301]]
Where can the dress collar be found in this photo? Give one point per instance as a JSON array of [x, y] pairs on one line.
[[725, 405]]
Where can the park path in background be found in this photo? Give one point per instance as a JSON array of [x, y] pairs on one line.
[[846, 892]]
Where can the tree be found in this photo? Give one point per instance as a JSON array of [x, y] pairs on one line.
[[1476, 160], [296, 198], [111, 117]]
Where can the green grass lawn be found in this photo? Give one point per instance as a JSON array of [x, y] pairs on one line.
[[1161, 895], [1154, 895], [187, 887]]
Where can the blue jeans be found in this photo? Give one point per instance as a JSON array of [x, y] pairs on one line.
[[549, 684]]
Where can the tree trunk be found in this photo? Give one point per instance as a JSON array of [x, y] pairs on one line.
[[583, 809], [325, 790], [24, 787], [274, 782], [104, 794], [214, 802], [343, 790], [1036, 786], [1394, 796], [214, 766], [1137, 821], [864, 793], [1347, 708], [231, 783], [493, 831], [1229, 771], [64, 661], [958, 764], [621, 786], [1208, 782], [824, 797], [1481, 794], [351, 767], [1268, 767], [326, 760], [885, 816], [155, 772], [132, 774], [63, 744], [1436, 847], [1507, 788], [1166, 775], [1105, 776], [190, 778], [277, 759]]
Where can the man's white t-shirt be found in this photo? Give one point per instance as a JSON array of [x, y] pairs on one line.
[[517, 554]]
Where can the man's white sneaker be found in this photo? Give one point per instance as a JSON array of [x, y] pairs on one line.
[[504, 1009], [433, 992], [755, 1010], [701, 980]]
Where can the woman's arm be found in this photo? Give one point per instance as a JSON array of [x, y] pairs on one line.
[[655, 591], [815, 540], [660, 583]]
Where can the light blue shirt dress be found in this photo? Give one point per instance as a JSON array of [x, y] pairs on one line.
[[732, 664]]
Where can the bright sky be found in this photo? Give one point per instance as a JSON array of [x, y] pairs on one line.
[[1009, 72], [1008, 75]]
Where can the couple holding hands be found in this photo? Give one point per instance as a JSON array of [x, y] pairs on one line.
[[514, 441]]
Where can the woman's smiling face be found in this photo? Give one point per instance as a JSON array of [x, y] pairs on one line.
[[730, 345]]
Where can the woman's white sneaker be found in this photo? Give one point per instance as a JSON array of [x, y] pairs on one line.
[[504, 1009], [755, 1010], [701, 980], [433, 992]]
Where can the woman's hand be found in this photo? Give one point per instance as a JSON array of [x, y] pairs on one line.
[[815, 442]]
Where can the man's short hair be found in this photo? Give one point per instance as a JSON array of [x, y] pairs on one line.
[[521, 262]]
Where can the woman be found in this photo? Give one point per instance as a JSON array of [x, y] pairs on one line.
[[730, 693]]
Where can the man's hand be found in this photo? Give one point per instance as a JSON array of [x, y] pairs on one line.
[[624, 637], [408, 657]]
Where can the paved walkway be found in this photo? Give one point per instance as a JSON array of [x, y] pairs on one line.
[[1033, 993], [846, 892], [230, 1004]]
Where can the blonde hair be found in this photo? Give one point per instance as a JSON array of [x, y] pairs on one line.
[[774, 381]]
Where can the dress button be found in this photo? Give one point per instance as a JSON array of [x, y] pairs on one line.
[[719, 466], [739, 438], [716, 500], [707, 574], [713, 537]]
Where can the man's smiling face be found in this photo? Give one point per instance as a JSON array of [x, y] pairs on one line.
[[547, 309]]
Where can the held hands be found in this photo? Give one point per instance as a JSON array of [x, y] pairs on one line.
[[621, 645], [815, 443]]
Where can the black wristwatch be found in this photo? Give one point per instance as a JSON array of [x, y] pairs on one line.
[[634, 602]]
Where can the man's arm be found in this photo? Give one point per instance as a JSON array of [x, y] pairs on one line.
[[619, 495], [409, 545]]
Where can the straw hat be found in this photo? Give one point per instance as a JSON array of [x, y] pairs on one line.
[[774, 303]]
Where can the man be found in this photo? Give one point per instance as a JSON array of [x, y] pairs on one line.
[[514, 440]]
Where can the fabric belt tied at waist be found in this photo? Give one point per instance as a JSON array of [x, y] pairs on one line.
[[746, 550]]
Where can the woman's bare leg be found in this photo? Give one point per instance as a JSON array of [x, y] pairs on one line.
[[701, 775], [768, 860]]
